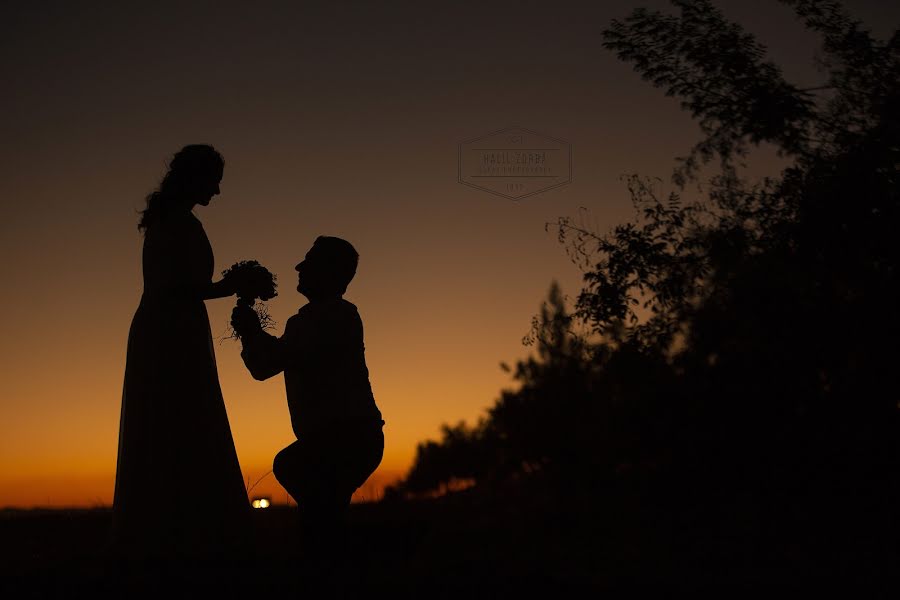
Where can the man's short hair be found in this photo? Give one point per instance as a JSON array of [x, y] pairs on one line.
[[340, 257]]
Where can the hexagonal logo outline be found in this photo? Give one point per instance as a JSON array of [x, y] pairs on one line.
[[567, 178]]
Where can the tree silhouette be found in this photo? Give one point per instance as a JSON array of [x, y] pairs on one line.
[[743, 344]]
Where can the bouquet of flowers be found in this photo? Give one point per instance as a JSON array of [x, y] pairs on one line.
[[253, 282]]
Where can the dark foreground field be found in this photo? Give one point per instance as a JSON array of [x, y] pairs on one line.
[[472, 545], [424, 549]]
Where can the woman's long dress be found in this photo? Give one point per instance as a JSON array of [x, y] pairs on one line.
[[179, 489]]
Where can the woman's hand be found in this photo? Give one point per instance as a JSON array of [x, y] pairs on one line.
[[230, 283]]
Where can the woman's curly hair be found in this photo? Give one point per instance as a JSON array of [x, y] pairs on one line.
[[186, 167]]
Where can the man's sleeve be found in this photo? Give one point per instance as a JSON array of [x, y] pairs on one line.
[[263, 354]]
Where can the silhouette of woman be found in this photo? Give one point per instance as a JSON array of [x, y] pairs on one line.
[[179, 490]]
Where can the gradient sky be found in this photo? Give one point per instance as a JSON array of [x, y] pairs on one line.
[[341, 119]]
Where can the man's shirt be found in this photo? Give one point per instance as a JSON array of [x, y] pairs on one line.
[[323, 359]]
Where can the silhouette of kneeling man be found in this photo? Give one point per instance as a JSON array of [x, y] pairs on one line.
[[338, 426]]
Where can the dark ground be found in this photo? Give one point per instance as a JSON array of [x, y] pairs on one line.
[[524, 544]]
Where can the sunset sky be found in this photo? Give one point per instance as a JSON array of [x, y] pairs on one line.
[[342, 119]]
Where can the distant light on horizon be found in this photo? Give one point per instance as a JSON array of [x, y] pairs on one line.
[[260, 503]]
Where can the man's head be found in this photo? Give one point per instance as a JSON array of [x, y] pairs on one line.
[[328, 268]]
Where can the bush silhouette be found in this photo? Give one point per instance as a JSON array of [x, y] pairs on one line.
[[741, 344]]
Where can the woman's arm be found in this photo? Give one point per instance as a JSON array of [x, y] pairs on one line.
[[175, 256], [216, 289]]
